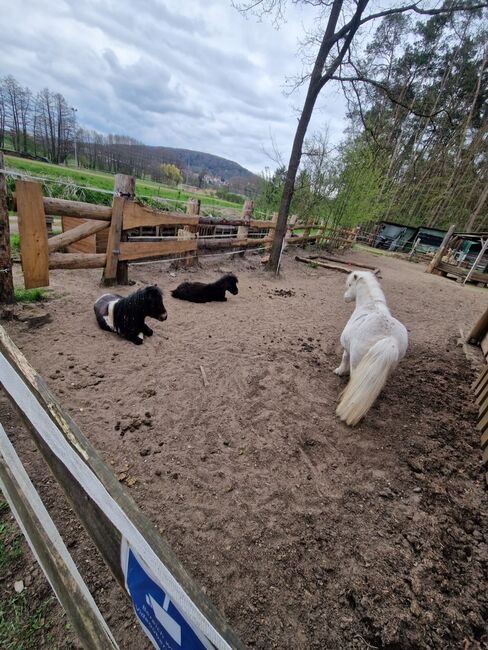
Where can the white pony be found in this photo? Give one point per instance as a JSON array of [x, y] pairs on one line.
[[373, 342]]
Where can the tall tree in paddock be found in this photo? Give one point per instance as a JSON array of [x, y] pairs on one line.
[[6, 282], [340, 22]]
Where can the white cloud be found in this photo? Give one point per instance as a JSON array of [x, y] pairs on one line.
[[193, 74]]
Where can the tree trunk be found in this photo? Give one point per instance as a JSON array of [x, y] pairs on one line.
[[6, 281], [318, 79], [477, 210]]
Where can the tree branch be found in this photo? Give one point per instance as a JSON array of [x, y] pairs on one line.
[[387, 92]]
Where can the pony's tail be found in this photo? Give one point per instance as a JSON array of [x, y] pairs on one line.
[[368, 380]]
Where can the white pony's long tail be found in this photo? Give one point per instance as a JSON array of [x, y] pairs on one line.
[[368, 380]]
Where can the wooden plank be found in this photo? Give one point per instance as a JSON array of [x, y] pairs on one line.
[[481, 384], [483, 410], [79, 209], [75, 234], [190, 232], [484, 438], [89, 484], [460, 272], [484, 345], [50, 551], [86, 245], [483, 422], [480, 377], [441, 250], [375, 269], [484, 458], [113, 244], [77, 260], [33, 234], [480, 329], [261, 223], [482, 396], [136, 215], [313, 262], [471, 272], [143, 250]]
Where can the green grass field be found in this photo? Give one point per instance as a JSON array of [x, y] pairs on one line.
[[100, 180], [23, 624]]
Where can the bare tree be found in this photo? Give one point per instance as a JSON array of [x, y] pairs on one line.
[[343, 19]]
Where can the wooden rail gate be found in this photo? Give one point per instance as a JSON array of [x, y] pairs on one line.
[[173, 611], [110, 237], [479, 336]]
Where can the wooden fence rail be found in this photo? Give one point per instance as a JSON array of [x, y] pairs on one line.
[[479, 336], [108, 513], [109, 237]]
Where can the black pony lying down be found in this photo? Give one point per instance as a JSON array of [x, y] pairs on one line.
[[200, 292], [125, 316]]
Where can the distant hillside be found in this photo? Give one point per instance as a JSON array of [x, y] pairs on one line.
[[197, 161]]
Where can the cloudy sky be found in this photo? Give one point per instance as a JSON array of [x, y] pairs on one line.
[[183, 73]]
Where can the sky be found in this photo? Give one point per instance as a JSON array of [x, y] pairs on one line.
[[193, 74]]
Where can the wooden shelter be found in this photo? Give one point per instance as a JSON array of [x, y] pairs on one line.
[[463, 256]]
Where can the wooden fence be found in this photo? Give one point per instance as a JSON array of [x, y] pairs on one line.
[[450, 261], [166, 600], [479, 336], [111, 237]]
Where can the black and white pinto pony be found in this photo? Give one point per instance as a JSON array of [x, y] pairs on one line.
[[373, 341], [125, 316], [200, 292]]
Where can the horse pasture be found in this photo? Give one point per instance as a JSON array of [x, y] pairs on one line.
[[306, 533]]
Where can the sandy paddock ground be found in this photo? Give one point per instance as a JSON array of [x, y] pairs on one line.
[[305, 533]]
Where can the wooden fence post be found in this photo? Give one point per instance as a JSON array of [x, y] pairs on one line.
[[289, 231], [33, 234], [414, 248], [190, 232], [118, 272], [441, 250], [243, 231], [6, 282], [484, 246]]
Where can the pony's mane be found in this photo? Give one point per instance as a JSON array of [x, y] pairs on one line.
[[228, 277], [368, 283]]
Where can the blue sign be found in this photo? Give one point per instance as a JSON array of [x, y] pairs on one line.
[[162, 622]]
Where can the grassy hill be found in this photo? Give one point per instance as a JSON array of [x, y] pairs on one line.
[[94, 180]]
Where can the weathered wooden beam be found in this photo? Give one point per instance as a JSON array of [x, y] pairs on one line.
[[262, 223], [77, 260], [136, 215], [113, 243], [472, 270], [226, 243], [75, 234], [329, 258], [104, 507], [479, 329], [441, 250], [64, 207], [142, 250], [324, 265], [190, 232], [50, 551], [33, 234]]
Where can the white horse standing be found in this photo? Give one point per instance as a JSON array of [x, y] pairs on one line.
[[373, 342]]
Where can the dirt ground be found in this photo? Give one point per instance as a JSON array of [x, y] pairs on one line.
[[305, 533]]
